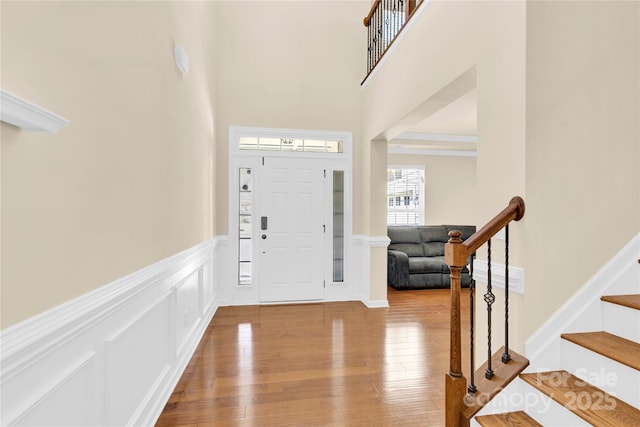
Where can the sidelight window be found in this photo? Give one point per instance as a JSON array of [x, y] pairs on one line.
[[245, 210]]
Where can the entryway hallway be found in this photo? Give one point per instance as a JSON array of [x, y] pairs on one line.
[[320, 364]]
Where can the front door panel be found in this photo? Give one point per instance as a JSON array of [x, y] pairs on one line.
[[291, 237]]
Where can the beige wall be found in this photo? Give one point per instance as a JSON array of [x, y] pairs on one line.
[[447, 40], [450, 187], [583, 144], [128, 181], [299, 69]]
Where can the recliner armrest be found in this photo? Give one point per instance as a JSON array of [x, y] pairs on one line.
[[397, 268]]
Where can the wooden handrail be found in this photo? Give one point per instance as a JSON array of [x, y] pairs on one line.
[[456, 253], [367, 19], [513, 212]]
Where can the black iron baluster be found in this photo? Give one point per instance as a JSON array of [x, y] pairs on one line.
[[489, 298], [506, 357], [472, 373], [396, 5], [379, 36], [386, 24], [369, 51]]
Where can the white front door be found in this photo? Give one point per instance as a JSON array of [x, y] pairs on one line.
[[291, 229]]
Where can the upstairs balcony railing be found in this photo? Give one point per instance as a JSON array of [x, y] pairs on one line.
[[384, 22]]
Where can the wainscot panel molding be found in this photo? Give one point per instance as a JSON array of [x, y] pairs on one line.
[[26, 115], [114, 355], [362, 245], [516, 275]]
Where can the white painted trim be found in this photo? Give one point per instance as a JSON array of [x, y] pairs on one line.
[[362, 245], [622, 267], [375, 303], [376, 241], [395, 149], [57, 367], [516, 275], [26, 115], [440, 137]]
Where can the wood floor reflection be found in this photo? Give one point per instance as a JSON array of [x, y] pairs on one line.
[[327, 364]]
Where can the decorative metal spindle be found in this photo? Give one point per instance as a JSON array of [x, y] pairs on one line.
[[381, 18], [489, 298], [372, 46], [387, 23], [506, 357], [379, 36], [369, 52], [395, 18], [472, 285]]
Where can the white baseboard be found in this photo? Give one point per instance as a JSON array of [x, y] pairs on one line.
[[114, 355], [375, 303]]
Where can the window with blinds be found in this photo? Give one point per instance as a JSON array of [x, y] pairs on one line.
[[405, 196]]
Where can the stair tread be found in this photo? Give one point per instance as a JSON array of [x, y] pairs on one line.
[[585, 400], [504, 373], [612, 346], [507, 419], [631, 301]]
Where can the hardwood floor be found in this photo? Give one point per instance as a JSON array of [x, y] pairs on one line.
[[329, 364]]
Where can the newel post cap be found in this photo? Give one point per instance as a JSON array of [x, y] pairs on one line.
[[455, 252]]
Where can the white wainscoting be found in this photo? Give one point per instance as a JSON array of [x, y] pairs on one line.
[[498, 277], [362, 245], [112, 356]]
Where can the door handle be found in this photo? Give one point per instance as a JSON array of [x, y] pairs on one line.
[[263, 223]]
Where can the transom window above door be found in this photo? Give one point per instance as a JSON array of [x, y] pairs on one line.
[[261, 143]]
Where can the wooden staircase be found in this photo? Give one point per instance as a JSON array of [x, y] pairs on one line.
[[595, 405]]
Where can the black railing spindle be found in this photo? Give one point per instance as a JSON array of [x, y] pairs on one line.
[[506, 356], [385, 20], [472, 285], [489, 298]]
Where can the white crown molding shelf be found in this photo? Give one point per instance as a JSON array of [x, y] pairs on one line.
[[26, 115]]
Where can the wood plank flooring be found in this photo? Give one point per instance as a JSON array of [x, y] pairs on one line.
[[329, 364]]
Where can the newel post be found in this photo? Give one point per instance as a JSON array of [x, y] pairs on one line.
[[455, 255]]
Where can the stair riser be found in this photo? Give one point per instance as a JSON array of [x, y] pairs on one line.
[[613, 377], [621, 321]]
